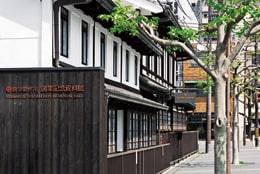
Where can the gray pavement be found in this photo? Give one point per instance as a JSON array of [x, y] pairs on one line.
[[203, 163]]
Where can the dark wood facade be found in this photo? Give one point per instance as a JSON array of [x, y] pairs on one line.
[[155, 159], [52, 121]]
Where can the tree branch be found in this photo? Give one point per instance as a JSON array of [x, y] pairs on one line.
[[230, 27], [150, 32], [255, 28], [239, 45]]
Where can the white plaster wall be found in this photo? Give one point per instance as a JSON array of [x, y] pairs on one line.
[[25, 33], [132, 54], [74, 58], [75, 19]]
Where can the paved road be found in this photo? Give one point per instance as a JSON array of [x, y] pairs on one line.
[[203, 163]]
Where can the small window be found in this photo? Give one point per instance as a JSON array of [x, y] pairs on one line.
[[155, 64], [136, 70], [115, 58], [147, 62], [256, 59], [103, 50], [127, 66], [84, 43], [193, 64], [64, 32], [205, 15]]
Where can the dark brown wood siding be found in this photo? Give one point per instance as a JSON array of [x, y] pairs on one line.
[[52, 121]]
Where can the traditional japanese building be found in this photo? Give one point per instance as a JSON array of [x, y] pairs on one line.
[[136, 124]]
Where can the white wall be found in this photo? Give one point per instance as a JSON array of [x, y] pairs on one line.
[[75, 19], [25, 33], [74, 58]]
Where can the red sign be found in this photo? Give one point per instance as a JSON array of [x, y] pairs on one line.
[[45, 91]]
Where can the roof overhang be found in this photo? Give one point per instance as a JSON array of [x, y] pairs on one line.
[[128, 96], [145, 7], [149, 47]]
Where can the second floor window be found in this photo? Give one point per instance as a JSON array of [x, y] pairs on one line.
[[103, 50], [136, 70], [155, 64], [84, 43], [115, 58], [127, 66], [64, 32]]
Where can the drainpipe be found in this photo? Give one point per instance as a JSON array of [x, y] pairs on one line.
[[56, 6]]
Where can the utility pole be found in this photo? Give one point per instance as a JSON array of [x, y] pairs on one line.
[[256, 101]]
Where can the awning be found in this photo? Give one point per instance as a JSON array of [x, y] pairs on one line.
[[125, 95]]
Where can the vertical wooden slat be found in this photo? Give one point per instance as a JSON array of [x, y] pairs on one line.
[[3, 123], [53, 135]]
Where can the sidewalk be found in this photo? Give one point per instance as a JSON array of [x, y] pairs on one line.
[[203, 163]]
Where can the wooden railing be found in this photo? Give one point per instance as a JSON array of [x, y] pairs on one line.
[[154, 159]]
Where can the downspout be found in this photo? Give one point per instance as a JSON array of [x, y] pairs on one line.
[[56, 6]]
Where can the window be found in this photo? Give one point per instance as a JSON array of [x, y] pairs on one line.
[[147, 130], [256, 59], [148, 62], [127, 66], [133, 129], [141, 130], [144, 131], [168, 67], [64, 32], [162, 68], [103, 50], [193, 63], [115, 58], [152, 127], [155, 64], [198, 90], [136, 70], [84, 43], [163, 115], [205, 15], [179, 120], [111, 131]]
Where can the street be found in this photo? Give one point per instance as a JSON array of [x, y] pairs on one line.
[[203, 163]]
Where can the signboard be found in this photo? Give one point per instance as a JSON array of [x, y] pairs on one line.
[[50, 119], [45, 91], [186, 97]]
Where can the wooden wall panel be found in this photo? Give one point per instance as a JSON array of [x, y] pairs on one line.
[[52, 121]]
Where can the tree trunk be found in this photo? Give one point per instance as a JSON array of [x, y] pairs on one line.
[[235, 157], [220, 126]]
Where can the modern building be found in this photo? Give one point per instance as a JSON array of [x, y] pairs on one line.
[[143, 128]]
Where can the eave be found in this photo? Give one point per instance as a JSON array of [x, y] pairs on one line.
[[141, 43]]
